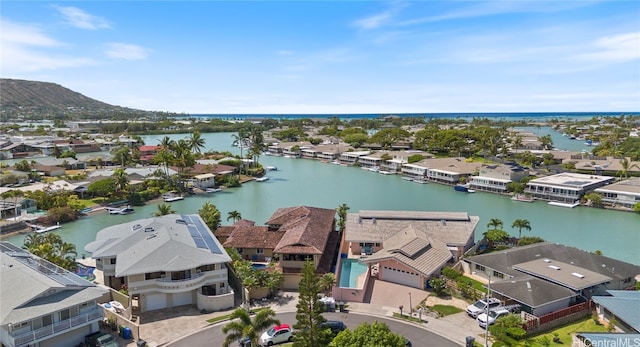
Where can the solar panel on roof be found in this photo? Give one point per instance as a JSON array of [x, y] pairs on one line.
[[200, 242], [207, 236], [54, 272]]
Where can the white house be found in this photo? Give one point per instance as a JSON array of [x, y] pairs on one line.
[[165, 261], [43, 304]]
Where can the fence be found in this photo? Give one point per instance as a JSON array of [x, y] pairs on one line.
[[551, 320]]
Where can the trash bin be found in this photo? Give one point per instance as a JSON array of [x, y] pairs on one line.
[[126, 333], [121, 330], [470, 340], [141, 343], [341, 305]]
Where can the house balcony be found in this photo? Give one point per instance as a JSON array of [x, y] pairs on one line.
[[167, 285], [57, 328]]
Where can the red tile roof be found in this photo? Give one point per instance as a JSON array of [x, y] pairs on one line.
[[306, 229], [245, 236]]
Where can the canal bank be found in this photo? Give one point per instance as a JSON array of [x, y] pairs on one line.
[[313, 183]]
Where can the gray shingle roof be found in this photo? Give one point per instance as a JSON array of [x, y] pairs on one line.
[[531, 291], [567, 275], [169, 247]]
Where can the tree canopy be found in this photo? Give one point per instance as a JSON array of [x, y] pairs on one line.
[[368, 335]]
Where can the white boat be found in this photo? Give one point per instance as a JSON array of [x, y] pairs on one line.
[[384, 172], [523, 198], [335, 162], [407, 178], [124, 210], [420, 181], [262, 179], [169, 197], [563, 204], [271, 168], [42, 229], [213, 190]]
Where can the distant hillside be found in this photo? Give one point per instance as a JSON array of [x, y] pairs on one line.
[[44, 100]]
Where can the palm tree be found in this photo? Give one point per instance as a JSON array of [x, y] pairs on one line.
[[242, 326], [99, 162], [521, 224], [166, 146], [626, 165], [51, 248], [121, 180], [342, 216], [495, 223], [163, 210], [15, 194], [327, 281], [241, 140], [196, 142], [235, 215]]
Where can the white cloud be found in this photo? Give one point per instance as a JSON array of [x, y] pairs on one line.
[[381, 19], [27, 48], [615, 48], [80, 19], [116, 50], [284, 52]]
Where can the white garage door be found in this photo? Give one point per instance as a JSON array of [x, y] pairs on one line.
[[156, 302], [180, 299], [406, 278]]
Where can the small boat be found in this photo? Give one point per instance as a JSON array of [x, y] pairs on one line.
[[335, 162], [407, 178], [42, 229], [262, 179], [170, 197], [124, 210], [463, 188], [213, 190], [385, 172], [271, 168], [420, 181], [523, 198], [563, 204]]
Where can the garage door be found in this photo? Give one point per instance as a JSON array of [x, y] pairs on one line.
[[155, 302], [406, 278], [180, 299]]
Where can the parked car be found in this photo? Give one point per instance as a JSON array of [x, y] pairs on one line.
[[276, 334], [100, 339], [491, 318], [245, 342], [336, 326], [480, 306]]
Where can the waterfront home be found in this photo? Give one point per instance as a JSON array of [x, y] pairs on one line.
[[351, 158], [565, 187], [308, 234], [389, 161], [621, 194], [65, 163], [164, 262], [496, 178], [148, 152], [415, 171], [43, 304], [408, 247], [254, 243], [621, 308], [585, 274], [600, 165], [450, 170]]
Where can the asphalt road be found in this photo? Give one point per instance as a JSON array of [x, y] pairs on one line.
[[213, 335]]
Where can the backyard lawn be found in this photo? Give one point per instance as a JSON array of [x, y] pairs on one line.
[[565, 332]]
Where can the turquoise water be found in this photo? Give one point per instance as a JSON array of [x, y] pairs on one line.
[[313, 183], [351, 269]]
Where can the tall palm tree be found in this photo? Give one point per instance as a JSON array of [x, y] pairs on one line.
[[626, 165], [241, 140], [196, 142], [15, 194], [342, 216], [52, 248], [242, 326], [521, 224], [235, 215], [165, 153], [163, 210], [121, 180], [184, 158], [495, 223], [327, 281]]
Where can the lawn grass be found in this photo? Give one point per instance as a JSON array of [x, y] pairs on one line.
[[226, 316], [565, 332], [476, 284], [407, 317], [445, 310]]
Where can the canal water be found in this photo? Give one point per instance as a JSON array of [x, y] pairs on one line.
[[313, 183]]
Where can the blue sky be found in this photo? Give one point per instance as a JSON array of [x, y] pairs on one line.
[[330, 57]]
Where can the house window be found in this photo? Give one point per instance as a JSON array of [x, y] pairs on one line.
[[498, 274], [259, 250], [377, 244], [47, 320], [64, 314], [480, 267], [112, 261], [222, 285], [239, 250]]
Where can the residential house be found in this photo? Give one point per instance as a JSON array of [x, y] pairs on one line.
[[43, 304], [254, 243], [585, 274], [565, 187], [620, 308], [148, 152], [351, 158], [450, 170], [408, 247], [165, 262], [496, 178], [624, 193]]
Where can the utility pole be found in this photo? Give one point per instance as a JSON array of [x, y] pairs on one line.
[[486, 327]]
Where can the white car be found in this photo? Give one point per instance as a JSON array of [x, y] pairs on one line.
[[481, 306], [492, 317], [276, 334]]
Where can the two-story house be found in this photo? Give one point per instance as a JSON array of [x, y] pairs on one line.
[[165, 261], [43, 304]]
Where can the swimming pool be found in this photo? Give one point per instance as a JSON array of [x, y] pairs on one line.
[[85, 272], [351, 269]]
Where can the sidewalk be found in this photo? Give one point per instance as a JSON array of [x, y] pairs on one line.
[[161, 327]]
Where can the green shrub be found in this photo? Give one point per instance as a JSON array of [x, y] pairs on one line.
[[451, 273]]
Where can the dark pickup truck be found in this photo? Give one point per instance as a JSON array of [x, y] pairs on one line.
[[100, 339]]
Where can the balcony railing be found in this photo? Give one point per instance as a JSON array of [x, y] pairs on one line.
[[167, 285], [56, 328]]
